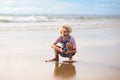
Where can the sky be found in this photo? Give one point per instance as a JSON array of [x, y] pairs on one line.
[[79, 7]]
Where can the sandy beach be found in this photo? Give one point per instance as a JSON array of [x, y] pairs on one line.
[[24, 49]]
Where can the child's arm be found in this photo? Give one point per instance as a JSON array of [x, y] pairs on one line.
[[53, 45], [55, 42], [56, 47]]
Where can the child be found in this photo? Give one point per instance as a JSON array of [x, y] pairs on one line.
[[68, 48]]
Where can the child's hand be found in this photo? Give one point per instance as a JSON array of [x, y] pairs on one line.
[[62, 51]]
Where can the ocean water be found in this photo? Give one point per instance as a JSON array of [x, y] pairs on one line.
[[49, 18], [38, 22]]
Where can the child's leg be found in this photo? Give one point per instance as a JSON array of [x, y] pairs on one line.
[[56, 55], [56, 51], [69, 48]]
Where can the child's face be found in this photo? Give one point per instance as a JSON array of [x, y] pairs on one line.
[[65, 32]]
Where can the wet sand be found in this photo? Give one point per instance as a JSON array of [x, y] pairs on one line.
[[23, 55]]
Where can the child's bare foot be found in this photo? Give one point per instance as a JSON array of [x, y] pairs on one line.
[[54, 59], [71, 61]]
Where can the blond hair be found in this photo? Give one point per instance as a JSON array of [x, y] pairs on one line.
[[65, 26]]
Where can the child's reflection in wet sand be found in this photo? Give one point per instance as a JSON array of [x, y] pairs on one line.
[[64, 70]]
